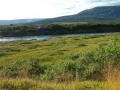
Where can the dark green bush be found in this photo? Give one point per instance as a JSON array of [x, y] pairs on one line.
[[74, 56], [52, 72], [82, 44], [2, 53], [31, 66], [96, 36], [15, 68], [35, 68], [26, 42], [33, 46], [93, 64], [9, 49]]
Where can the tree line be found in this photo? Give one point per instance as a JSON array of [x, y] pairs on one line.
[[58, 29]]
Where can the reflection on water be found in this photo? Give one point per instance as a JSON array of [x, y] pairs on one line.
[[4, 39]]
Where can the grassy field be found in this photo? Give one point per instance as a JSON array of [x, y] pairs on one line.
[[89, 62]]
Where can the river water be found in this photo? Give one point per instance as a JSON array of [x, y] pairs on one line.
[[5, 39], [41, 37]]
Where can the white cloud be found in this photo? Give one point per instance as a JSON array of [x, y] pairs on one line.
[[16, 9]]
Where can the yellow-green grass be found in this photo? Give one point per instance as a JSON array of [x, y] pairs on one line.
[[55, 48], [30, 84], [52, 51]]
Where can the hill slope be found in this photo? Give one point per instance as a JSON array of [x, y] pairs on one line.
[[103, 13], [17, 21]]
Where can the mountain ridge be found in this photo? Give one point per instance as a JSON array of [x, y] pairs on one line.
[[96, 14], [101, 13]]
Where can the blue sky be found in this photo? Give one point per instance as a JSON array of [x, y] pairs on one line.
[[20, 9]]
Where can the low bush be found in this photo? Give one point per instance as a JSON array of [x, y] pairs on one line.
[[15, 68], [26, 42], [2, 53], [35, 68], [82, 44], [30, 67], [32, 46], [9, 49], [73, 56], [94, 64]]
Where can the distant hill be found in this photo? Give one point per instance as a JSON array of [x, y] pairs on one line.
[[103, 13], [17, 21]]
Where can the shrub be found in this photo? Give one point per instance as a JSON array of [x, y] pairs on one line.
[[26, 42], [96, 36], [46, 58], [33, 46], [35, 68], [58, 52], [32, 68], [73, 56], [9, 49], [53, 72], [71, 68], [82, 44], [2, 53], [108, 54], [94, 64], [15, 68]]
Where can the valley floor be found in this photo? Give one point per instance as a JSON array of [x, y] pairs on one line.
[[89, 62]]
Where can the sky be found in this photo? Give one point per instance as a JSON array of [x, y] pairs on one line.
[[27, 9]]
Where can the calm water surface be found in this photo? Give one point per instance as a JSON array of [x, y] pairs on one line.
[[41, 37]]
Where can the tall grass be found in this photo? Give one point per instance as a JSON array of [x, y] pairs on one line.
[[30, 84]]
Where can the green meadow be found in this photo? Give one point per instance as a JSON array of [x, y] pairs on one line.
[[88, 62]]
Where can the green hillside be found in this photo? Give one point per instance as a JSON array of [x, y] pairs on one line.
[[103, 13]]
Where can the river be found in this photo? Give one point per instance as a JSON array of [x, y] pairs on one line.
[[41, 37]]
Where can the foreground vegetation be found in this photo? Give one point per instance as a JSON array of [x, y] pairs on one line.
[[28, 84], [89, 62]]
